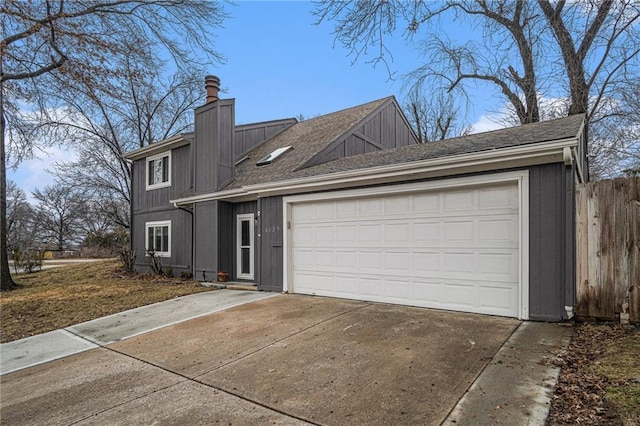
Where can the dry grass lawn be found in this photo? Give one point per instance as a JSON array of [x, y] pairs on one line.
[[67, 295]]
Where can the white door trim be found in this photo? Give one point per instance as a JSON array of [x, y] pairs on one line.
[[247, 217], [521, 178]]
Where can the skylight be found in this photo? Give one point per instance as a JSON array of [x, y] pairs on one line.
[[243, 159], [271, 157]]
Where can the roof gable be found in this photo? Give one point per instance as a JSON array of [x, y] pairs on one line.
[[306, 138], [385, 127]]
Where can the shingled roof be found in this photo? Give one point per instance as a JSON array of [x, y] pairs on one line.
[[554, 130], [534, 133], [307, 138]]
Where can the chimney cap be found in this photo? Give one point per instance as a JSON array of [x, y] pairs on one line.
[[212, 86]]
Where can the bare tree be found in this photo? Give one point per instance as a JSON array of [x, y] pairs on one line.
[[19, 212], [46, 44], [62, 211], [433, 118], [102, 127], [583, 51]]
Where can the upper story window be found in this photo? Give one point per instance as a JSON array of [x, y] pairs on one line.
[[159, 171]]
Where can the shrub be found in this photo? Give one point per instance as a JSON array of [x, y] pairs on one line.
[[27, 260], [155, 262], [128, 259]]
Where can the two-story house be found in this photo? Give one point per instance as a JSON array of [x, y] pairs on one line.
[[349, 205]]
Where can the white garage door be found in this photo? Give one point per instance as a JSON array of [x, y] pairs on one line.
[[453, 249]]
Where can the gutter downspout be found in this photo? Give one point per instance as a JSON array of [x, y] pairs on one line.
[[193, 239]]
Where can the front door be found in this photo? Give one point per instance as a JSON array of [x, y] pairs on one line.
[[245, 246]]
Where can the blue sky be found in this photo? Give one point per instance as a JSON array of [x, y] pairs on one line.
[[281, 65]]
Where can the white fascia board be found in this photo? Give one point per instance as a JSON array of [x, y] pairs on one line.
[[521, 156], [155, 148]]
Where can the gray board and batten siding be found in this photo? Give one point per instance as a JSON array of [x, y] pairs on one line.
[[143, 200], [181, 242], [551, 249], [153, 205], [206, 220], [384, 129], [248, 136], [213, 147]]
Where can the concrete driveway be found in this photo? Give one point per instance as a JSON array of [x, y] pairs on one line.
[[287, 359]]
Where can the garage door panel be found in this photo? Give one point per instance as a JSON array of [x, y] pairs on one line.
[[370, 233], [457, 201], [325, 234], [371, 260], [456, 249], [423, 262], [347, 233], [426, 232], [505, 197], [397, 262], [369, 208], [427, 203], [459, 231], [498, 266], [459, 263], [503, 230]]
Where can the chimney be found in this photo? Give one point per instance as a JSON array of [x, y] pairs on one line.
[[212, 84]]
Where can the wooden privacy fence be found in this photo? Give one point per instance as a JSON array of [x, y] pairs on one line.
[[608, 249]]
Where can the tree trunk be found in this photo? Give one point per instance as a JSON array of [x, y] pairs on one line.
[[6, 282]]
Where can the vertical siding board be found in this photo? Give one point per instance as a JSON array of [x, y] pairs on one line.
[[206, 246], [271, 244], [225, 144], [225, 238], [547, 243], [372, 127], [389, 127], [534, 243], [569, 237]]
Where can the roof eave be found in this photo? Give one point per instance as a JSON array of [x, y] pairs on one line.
[[512, 157], [155, 148]]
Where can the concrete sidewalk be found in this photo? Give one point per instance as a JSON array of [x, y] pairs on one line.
[[517, 385], [57, 344]]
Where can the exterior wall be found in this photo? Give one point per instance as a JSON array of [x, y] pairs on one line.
[[144, 200], [270, 246], [213, 145], [551, 242], [248, 137], [205, 232], [181, 243], [383, 129], [153, 205]]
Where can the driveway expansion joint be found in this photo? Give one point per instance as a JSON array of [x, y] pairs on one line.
[[192, 380], [275, 342]]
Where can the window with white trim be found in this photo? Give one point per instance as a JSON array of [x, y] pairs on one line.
[[159, 171], [158, 238]]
